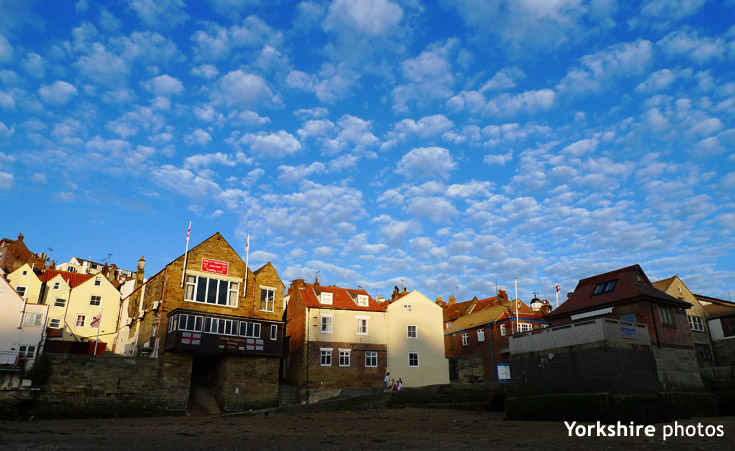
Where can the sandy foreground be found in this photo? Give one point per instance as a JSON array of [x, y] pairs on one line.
[[408, 428]]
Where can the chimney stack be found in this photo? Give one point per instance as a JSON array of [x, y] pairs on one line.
[[452, 300], [140, 273]]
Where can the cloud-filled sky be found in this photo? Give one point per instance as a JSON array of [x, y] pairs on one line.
[[443, 145]]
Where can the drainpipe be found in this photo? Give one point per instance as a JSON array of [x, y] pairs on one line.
[[655, 328], [492, 356], [25, 297], [306, 363]]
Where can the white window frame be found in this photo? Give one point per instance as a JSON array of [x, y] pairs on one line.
[[193, 285], [33, 319], [465, 339], [252, 330], [696, 323], [344, 357], [525, 327], [60, 304], [56, 285], [269, 302], [274, 332], [362, 300], [25, 349], [371, 359], [325, 357], [362, 325], [184, 322], [480, 334], [93, 298], [83, 318], [412, 331], [667, 315], [326, 298], [326, 320], [503, 330], [21, 290], [410, 354], [172, 323], [54, 323], [407, 308]]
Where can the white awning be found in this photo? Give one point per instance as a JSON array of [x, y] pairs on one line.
[[602, 311]]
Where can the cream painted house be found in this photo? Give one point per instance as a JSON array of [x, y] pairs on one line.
[[26, 283], [416, 341], [75, 300], [21, 334]]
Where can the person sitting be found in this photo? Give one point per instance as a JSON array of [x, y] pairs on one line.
[[399, 384]]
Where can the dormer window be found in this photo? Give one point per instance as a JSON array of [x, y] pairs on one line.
[[362, 300], [325, 298], [604, 287]]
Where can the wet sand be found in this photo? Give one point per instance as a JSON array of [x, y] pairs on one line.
[[408, 428]]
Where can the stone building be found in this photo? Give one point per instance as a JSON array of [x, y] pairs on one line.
[[214, 325]]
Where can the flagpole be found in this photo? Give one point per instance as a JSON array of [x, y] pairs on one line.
[[557, 295], [186, 254], [247, 255], [516, 284], [97, 340]]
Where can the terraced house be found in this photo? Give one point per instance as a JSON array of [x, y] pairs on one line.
[[214, 324]]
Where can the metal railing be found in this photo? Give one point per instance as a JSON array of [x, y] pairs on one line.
[[10, 358]]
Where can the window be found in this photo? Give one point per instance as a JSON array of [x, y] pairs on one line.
[[407, 308], [480, 335], [667, 316], [56, 285], [362, 300], [465, 339], [371, 359], [703, 352], [97, 282], [33, 319], [604, 287], [252, 330], [525, 327], [21, 291], [211, 325], [728, 326], [326, 324], [344, 357], [190, 323], [326, 356], [172, 324], [59, 302], [413, 359], [27, 350], [502, 330], [362, 325], [54, 323], [628, 317], [95, 300], [696, 323], [411, 331], [274, 332], [211, 291], [228, 327], [325, 298], [267, 296], [80, 320]]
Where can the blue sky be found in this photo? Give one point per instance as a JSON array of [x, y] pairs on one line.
[[448, 144]]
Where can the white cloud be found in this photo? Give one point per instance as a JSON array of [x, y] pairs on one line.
[[6, 180], [333, 83], [195, 162], [6, 50], [581, 147], [500, 159], [427, 162], [164, 85], [248, 118], [688, 43], [5, 131], [199, 137], [506, 78], [396, 232], [207, 71], [243, 90], [159, 13], [615, 62], [58, 93], [34, 65], [436, 209], [372, 17], [429, 77], [103, 67], [657, 81], [311, 113], [524, 102], [290, 174], [271, 145]]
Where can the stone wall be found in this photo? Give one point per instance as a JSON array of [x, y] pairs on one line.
[[355, 375], [101, 386], [724, 351], [678, 369], [257, 377]]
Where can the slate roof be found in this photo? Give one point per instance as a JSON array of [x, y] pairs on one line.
[[632, 284], [342, 298], [74, 279]]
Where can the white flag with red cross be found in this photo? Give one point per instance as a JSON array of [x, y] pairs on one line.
[[96, 321], [191, 338]]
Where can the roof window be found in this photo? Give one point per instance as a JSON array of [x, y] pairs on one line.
[[604, 287]]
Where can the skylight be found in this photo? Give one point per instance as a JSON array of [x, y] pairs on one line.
[[604, 287]]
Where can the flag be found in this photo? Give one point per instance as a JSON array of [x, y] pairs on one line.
[[247, 245], [558, 288], [188, 232], [96, 321]]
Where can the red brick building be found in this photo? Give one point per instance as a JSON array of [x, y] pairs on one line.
[[336, 338], [476, 343], [13, 253]]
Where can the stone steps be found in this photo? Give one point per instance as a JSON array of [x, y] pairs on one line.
[[288, 395], [202, 402]]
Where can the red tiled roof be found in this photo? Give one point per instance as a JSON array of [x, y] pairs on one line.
[[454, 311], [342, 298], [632, 283], [74, 279]]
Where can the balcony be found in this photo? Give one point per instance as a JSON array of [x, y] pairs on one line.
[[11, 361]]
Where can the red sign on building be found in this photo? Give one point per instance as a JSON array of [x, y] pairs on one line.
[[214, 266]]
